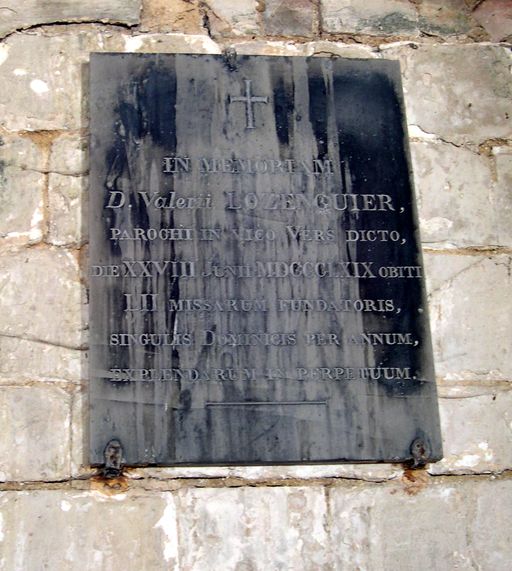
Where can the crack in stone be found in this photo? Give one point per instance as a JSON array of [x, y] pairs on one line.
[[82, 347], [41, 25], [181, 483]]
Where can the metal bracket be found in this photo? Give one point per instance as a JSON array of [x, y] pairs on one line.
[[113, 455], [420, 451]]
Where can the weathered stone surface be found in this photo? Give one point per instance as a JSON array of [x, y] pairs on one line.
[[254, 529], [326, 48], [226, 18], [44, 78], [33, 12], [35, 439], [453, 188], [271, 48], [490, 527], [87, 531], [177, 16], [366, 472], [170, 43], [79, 435], [502, 197], [22, 183], [444, 17], [391, 18], [471, 315], [22, 359], [451, 523], [289, 17], [496, 17], [66, 198], [459, 93], [69, 155], [41, 296], [477, 432], [381, 528]]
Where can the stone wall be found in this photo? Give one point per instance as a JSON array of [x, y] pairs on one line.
[[55, 512]]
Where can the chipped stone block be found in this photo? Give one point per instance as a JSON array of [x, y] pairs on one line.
[[471, 315], [254, 528], [40, 298], [476, 433], [24, 359], [393, 528], [44, 78], [444, 17], [35, 443], [66, 198], [177, 16], [87, 531], [453, 187], [34, 12], [69, 155], [496, 17], [374, 17], [22, 183], [461, 93], [502, 197], [289, 17], [226, 18]]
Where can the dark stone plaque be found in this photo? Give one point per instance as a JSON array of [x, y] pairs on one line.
[[256, 285]]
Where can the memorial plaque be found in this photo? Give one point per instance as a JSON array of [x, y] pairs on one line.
[[256, 283]]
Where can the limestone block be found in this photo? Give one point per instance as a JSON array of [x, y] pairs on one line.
[[41, 296], [374, 17], [476, 433], [67, 206], [390, 528], [170, 43], [69, 155], [444, 17], [254, 529], [24, 359], [471, 315], [17, 16], [35, 443], [496, 17], [177, 16], [270, 48], [326, 48], [461, 93], [453, 188], [490, 529], [226, 18], [43, 79], [88, 531], [22, 183], [79, 435], [502, 196], [289, 17]]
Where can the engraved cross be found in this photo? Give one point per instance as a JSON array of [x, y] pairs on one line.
[[249, 101]]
